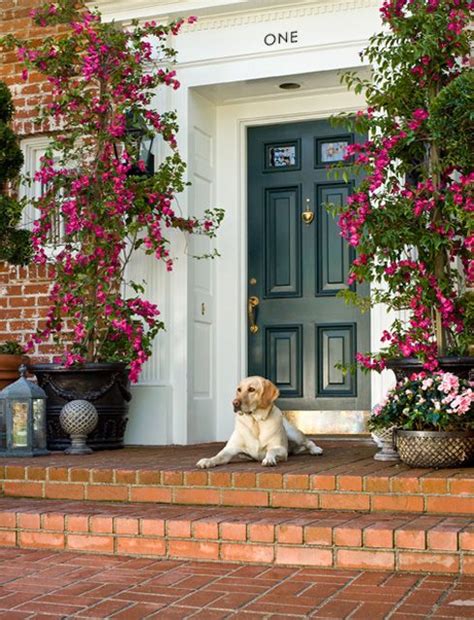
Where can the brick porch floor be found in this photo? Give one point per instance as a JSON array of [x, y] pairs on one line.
[[52, 586], [345, 477], [341, 510]]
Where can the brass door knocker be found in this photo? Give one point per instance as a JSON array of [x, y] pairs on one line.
[[307, 216]]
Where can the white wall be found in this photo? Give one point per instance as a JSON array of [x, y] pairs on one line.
[[150, 409]]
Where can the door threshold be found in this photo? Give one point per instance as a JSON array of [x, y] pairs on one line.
[[337, 423], [364, 437]]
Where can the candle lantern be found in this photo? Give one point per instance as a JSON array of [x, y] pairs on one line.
[[22, 418]]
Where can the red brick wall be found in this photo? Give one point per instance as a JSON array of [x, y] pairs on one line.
[[23, 291], [23, 304]]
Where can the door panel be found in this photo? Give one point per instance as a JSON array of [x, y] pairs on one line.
[[296, 269], [284, 358], [335, 344], [282, 243], [333, 254]]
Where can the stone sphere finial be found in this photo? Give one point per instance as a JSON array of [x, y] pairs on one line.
[[78, 418]]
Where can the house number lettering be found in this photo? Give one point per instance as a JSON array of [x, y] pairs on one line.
[[280, 37]]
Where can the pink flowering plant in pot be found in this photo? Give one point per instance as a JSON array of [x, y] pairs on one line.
[[432, 417], [411, 219], [97, 185], [438, 402]]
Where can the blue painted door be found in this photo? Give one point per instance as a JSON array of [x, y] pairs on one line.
[[298, 330]]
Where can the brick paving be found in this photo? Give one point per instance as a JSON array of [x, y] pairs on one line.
[[52, 585], [345, 477]]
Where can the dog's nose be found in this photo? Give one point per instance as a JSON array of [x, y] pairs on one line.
[[236, 404]]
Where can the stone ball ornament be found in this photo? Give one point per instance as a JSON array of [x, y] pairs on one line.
[[78, 418]]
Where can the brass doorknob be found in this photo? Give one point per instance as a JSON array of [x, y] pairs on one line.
[[252, 304]]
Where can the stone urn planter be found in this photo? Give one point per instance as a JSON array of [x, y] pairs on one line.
[[385, 440], [104, 385], [435, 449]]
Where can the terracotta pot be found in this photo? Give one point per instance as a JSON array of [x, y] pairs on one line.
[[9, 365], [106, 386], [461, 366]]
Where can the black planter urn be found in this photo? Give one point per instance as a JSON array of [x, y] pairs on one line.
[[461, 366], [107, 386]]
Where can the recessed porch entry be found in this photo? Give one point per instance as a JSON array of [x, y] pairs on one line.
[[298, 329]]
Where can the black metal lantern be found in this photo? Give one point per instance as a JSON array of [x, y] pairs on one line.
[[22, 418], [143, 140]]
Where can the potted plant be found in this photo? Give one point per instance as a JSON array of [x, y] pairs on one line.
[[433, 415], [12, 356], [411, 217], [109, 203]]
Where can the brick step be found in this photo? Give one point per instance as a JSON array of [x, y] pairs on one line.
[[345, 477], [345, 540]]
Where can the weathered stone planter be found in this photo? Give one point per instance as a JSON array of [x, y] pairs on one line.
[[104, 385], [384, 439]]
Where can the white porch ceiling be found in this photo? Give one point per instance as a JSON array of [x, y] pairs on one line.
[[264, 88]]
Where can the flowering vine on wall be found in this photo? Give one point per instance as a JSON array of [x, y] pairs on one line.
[[104, 78], [411, 217]]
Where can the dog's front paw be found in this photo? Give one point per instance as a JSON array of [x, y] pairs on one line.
[[205, 464], [314, 449], [269, 461]]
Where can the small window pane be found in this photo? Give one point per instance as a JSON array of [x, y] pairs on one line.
[[3, 428], [331, 150], [281, 156], [19, 424], [39, 423]]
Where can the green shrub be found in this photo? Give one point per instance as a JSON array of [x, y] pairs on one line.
[[15, 244], [11, 348], [452, 120]]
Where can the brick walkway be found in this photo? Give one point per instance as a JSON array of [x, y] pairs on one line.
[[49, 586]]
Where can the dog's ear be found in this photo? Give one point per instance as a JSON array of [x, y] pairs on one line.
[[269, 395]]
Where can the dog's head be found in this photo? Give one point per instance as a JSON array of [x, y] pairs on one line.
[[254, 393]]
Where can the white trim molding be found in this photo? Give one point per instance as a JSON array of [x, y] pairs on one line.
[[220, 14]]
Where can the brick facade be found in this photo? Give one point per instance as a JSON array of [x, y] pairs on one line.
[[23, 304], [23, 291]]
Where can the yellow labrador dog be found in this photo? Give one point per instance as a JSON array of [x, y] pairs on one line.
[[261, 431]]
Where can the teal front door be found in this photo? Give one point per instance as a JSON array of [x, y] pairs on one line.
[[298, 329]]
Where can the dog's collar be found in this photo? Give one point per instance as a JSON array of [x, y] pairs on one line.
[[262, 414], [266, 412]]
